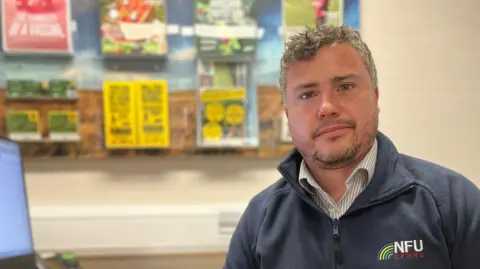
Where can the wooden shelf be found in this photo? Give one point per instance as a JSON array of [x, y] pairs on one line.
[[183, 115]]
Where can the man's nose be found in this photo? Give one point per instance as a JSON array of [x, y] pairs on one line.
[[328, 107]]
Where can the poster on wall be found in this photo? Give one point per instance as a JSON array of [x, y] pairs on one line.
[[133, 27], [60, 88], [300, 13], [24, 125], [119, 114], [221, 120], [153, 116], [225, 28], [36, 26], [25, 89], [56, 88], [63, 125]]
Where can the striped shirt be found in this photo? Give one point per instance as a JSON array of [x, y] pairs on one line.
[[356, 183]]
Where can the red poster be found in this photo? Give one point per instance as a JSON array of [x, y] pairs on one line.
[[36, 26]]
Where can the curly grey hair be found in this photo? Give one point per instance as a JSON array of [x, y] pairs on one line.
[[304, 45]]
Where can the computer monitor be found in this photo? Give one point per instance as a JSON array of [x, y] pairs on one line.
[[16, 243]]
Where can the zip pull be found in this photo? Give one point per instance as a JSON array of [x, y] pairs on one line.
[[337, 250]]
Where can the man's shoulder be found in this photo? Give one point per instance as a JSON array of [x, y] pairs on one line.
[[427, 171], [257, 207], [441, 181], [264, 197]]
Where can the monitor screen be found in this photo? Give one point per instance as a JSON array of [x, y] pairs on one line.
[[15, 232]]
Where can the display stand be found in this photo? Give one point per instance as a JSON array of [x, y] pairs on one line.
[[226, 40], [43, 116], [41, 110], [223, 105], [134, 42]]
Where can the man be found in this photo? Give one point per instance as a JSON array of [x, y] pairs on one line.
[[347, 198]]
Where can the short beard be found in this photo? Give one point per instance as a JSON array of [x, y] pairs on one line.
[[349, 155], [345, 158]]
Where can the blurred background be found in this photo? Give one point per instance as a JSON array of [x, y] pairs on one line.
[[147, 126]]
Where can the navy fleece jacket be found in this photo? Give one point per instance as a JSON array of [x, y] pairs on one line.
[[413, 214]]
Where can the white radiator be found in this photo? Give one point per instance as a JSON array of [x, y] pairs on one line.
[[134, 230]]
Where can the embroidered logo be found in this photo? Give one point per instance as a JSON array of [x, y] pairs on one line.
[[409, 249]]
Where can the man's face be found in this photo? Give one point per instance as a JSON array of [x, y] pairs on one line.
[[331, 106]]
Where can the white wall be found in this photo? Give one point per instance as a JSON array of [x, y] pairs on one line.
[[141, 181], [426, 53]]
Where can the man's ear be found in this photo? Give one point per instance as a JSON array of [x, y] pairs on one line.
[[377, 95]]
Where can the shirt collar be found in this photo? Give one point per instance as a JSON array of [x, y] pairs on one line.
[[367, 164]]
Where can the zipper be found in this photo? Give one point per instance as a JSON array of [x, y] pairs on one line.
[[337, 250]]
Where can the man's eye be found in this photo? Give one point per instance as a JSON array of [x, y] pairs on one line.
[[306, 95], [346, 87]]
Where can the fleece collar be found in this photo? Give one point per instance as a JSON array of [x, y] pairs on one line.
[[389, 177]]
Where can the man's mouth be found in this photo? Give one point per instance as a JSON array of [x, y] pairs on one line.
[[331, 129]]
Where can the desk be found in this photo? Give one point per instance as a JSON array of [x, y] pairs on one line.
[[179, 261]]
